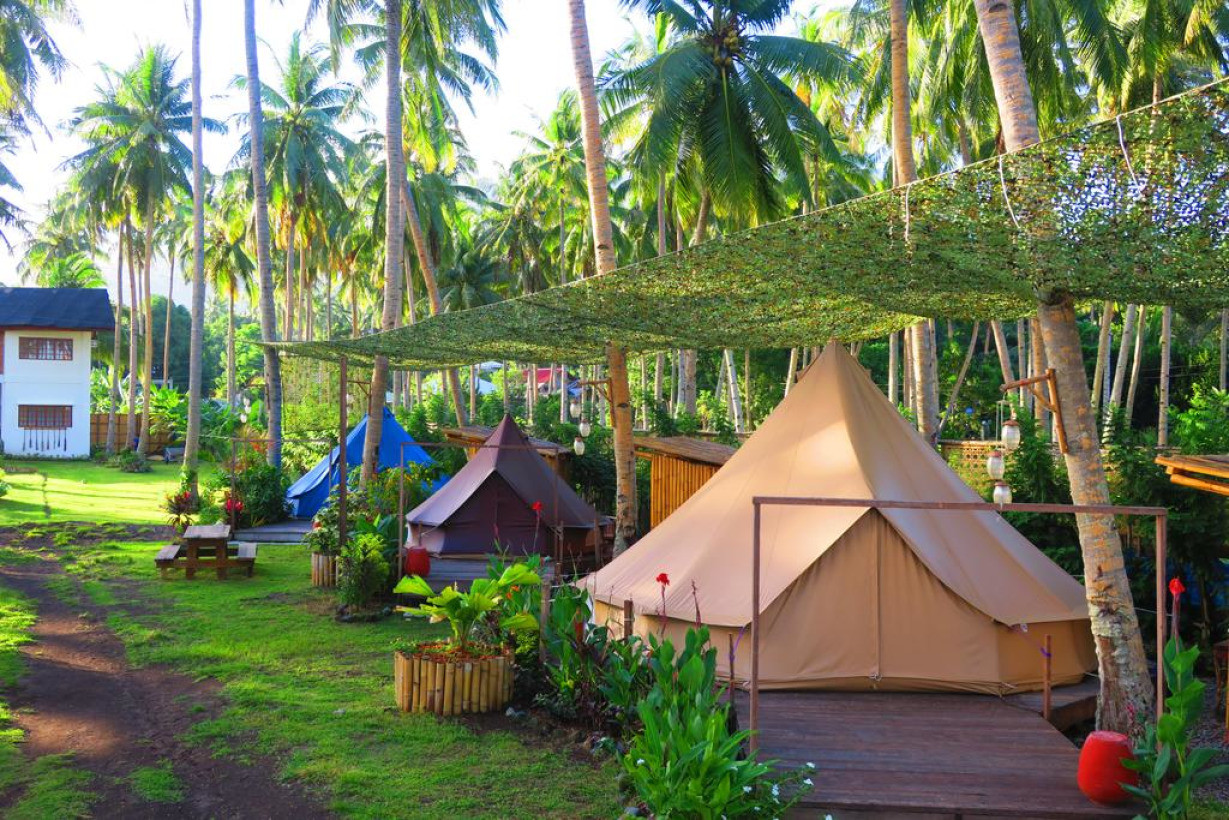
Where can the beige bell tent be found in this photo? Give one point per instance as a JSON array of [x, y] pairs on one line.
[[854, 598]]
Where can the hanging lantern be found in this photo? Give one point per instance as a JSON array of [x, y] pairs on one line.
[[585, 429], [1011, 435], [578, 446], [1002, 493], [994, 465], [574, 408]]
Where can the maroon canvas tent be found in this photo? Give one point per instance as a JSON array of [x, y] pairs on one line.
[[489, 505]]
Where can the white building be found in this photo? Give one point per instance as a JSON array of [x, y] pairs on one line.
[[45, 339]]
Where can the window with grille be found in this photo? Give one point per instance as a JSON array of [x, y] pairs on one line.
[[44, 416], [45, 349]]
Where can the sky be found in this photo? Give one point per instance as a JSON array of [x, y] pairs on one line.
[[534, 67]]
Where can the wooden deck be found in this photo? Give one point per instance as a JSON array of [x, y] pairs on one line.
[[885, 755]]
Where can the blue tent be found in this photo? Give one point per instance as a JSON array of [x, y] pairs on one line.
[[308, 494]]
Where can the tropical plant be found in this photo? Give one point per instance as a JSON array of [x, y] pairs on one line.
[[464, 610], [362, 571], [1171, 769], [685, 761]]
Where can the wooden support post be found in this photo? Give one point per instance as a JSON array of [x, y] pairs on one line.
[[1162, 527], [754, 741], [629, 618], [1047, 677]]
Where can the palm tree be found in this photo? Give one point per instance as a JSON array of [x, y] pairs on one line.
[[719, 114], [260, 216], [26, 50], [226, 263], [1125, 689], [192, 442], [74, 271], [304, 152], [603, 249], [133, 138]]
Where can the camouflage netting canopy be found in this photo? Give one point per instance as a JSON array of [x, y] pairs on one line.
[[1133, 209]]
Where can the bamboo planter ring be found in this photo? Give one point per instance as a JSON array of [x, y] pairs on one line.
[[435, 682], [325, 570]]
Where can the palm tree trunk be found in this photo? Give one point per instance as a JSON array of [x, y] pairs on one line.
[[260, 207], [1120, 369], [894, 366], [792, 368], [1224, 349], [116, 348], [427, 265], [354, 334], [599, 209], [1162, 421], [328, 306], [394, 231], [196, 342], [1022, 360], [288, 318], [230, 349], [736, 405], [133, 322], [689, 359], [964, 371], [1103, 349], [1126, 691], [1137, 358], [147, 372], [166, 328], [1000, 347]]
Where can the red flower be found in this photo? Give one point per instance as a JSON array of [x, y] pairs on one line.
[[663, 579], [536, 506], [1176, 587]]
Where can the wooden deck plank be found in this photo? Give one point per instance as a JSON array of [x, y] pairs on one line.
[[904, 753]]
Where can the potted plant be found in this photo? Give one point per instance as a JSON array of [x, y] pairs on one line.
[[462, 674], [322, 539]]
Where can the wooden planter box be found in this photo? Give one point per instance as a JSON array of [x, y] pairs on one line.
[[324, 570], [433, 683]]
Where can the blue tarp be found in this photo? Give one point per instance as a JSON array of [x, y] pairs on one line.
[[307, 495]]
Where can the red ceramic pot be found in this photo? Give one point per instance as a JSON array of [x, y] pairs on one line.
[[417, 561], [1101, 771]]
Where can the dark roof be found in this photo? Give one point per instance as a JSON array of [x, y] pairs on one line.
[[59, 308], [689, 449]]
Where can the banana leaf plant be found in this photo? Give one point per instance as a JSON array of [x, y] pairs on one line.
[[464, 610]]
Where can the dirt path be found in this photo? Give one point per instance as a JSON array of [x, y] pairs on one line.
[[80, 695]]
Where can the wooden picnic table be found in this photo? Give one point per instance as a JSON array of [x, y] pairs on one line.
[[207, 546]]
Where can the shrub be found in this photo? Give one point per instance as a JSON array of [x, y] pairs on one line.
[[686, 761], [4, 486], [259, 487], [592, 677], [180, 507], [130, 461], [363, 573], [487, 598]]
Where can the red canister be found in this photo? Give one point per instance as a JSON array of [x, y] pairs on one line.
[[1101, 771], [417, 561]]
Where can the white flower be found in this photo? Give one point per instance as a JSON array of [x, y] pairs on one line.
[[812, 767], [808, 781], [747, 789], [640, 762]]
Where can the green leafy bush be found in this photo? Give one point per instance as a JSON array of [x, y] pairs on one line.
[[4, 486], [685, 761], [593, 677], [130, 461], [1170, 770], [260, 490], [363, 574]]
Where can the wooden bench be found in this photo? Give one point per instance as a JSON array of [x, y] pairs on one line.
[[165, 559]]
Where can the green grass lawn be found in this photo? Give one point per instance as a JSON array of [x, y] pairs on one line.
[[317, 695], [51, 491]]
